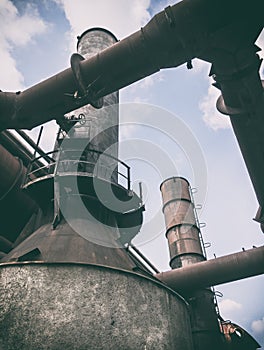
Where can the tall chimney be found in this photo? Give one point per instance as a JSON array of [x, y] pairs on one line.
[[182, 229], [185, 246]]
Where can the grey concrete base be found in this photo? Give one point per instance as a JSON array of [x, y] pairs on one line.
[[67, 306]]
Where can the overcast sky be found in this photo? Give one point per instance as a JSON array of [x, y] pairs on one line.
[[36, 41]]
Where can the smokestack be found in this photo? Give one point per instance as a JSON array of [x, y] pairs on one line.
[[99, 125], [185, 245], [182, 229]]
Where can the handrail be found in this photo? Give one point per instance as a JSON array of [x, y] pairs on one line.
[[96, 165]]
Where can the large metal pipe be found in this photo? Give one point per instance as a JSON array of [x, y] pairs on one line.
[[225, 269], [236, 71], [173, 37]]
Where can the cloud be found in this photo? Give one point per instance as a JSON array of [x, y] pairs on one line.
[[16, 30], [120, 17], [257, 327], [212, 118], [140, 91], [228, 307]]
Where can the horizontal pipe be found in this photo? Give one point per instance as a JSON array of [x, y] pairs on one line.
[[209, 273], [173, 37]]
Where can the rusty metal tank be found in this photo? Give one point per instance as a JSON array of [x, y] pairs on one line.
[[80, 306]]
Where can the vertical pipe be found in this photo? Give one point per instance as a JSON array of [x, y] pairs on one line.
[[182, 230], [183, 234]]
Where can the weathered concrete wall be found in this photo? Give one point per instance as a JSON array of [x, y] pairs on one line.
[[67, 306]]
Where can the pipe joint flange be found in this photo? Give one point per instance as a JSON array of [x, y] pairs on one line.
[[82, 92]]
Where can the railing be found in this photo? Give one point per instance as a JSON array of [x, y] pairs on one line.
[[198, 224], [91, 162]]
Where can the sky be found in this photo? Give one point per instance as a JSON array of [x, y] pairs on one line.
[[169, 126]]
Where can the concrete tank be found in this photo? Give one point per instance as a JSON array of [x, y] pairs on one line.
[[78, 306]]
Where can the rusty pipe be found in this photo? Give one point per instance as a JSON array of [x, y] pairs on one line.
[[12, 172], [221, 270], [173, 37], [13, 201]]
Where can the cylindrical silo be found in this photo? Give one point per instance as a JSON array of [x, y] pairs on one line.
[[76, 306]]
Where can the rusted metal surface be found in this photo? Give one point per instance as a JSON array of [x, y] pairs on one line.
[[225, 269], [185, 246], [175, 188], [182, 229], [93, 244], [178, 212], [87, 230], [66, 306]]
